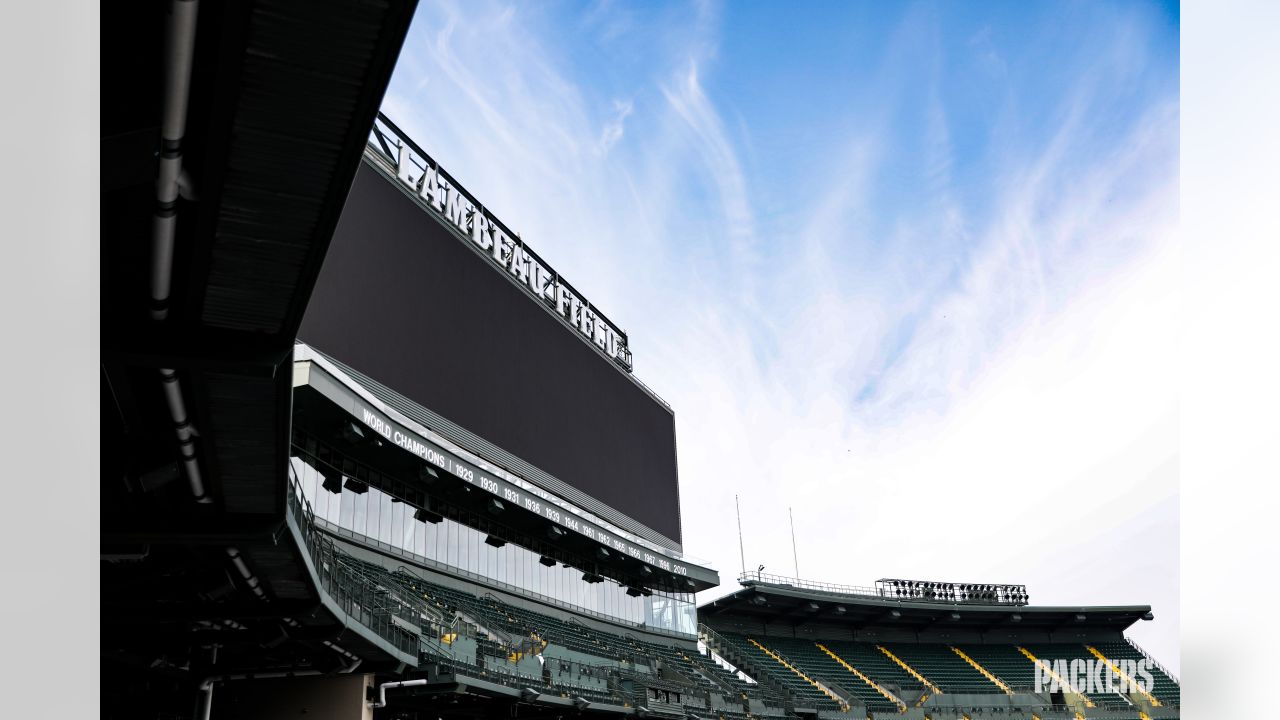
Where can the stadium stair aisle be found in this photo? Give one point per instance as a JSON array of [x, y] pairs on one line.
[[798, 690], [1116, 669], [877, 701], [823, 689], [910, 670], [1071, 651], [1088, 701], [1166, 687], [1005, 662], [819, 663], [763, 692], [985, 673], [874, 664], [942, 666]]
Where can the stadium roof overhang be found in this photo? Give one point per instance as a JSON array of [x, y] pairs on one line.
[[381, 447], [280, 98], [279, 103], [771, 604]]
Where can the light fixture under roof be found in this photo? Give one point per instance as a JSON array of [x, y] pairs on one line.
[[352, 433], [426, 516]]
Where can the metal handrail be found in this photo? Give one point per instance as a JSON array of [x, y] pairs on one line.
[[1153, 661], [762, 679], [358, 595], [373, 603], [337, 530], [780, 580], [881, 593]]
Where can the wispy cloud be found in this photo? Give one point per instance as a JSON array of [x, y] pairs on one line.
[[968, 325], [614, 129]]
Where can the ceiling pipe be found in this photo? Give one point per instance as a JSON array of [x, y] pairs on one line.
[[179, 53], [384, 687], [185, 431], [171, 181], [250, 579]]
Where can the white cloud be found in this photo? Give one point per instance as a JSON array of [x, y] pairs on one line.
[[1007, 414]]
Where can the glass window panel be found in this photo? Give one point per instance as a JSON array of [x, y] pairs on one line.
[[322, 503], [361, 502], [386, 516], [348, 503], [374, 513], [463, 558], [433, 542], [407, 542], [335, 508], [397, 524]]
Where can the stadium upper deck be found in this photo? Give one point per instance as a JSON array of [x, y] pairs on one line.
[[916, 649]]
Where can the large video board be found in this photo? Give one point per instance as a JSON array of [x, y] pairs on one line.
[[407, 300]]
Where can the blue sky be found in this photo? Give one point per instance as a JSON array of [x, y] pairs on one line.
[[896, 266]]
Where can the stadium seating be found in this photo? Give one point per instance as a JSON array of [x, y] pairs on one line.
[[1071, 651], [1007, 663], [809, 656], [870, 661], [943, 667], [480, 635], [1166, 689], [802, 690]]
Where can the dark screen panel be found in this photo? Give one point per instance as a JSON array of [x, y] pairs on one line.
[[406, 302]]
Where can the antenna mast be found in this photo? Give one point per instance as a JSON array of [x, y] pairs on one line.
[[742, 555], [794, 556]]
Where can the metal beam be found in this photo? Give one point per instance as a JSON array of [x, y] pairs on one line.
[[183, 529]]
